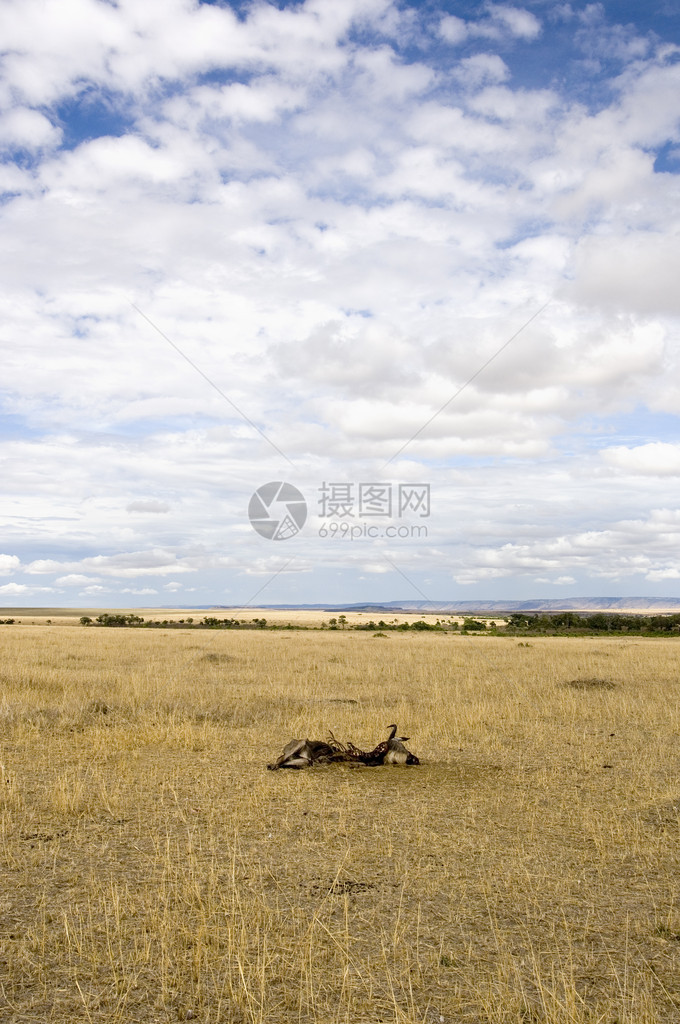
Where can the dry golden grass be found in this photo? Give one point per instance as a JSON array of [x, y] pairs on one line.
[[154, 871]]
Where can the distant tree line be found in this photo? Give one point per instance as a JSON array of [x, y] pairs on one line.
[[420, 626], [518, 623], [565, 623], [117, 619], [120, 619]]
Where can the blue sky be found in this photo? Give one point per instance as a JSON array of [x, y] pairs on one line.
[[348, 243]]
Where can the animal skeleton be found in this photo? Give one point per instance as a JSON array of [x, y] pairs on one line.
[[304, 753]]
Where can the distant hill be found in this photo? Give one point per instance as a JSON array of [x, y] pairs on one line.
[[643, 605]]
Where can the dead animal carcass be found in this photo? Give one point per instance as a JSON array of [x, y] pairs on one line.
[[305, 753]]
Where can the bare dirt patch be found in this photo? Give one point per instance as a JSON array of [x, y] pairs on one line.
[[593, 682]]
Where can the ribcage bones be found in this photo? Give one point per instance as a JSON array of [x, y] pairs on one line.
[[305, 753]]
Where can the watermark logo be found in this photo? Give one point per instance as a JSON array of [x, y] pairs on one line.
[[347, 511], [366, 511], [277, 510], [370, 500]]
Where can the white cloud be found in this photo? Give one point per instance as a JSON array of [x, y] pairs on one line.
[[647, 548], [24, 128], [152, 562], [22, 590], [502, 21], [138, 563], [657, 458], [600, 40], [339, 237], [663, 574], [517, 107], [44, 566], [453, 29], [263, 101], [389, 79], [481, 69], [518, 21], [14, 588], [54, 43], [8, 564], [633, 271]]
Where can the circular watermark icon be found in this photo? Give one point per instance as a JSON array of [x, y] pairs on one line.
[[277, 510]]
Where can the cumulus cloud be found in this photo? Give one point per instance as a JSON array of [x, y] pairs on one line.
[[453, 29], [657, 458], [22, 590], [502, 20], [331, 233], [23, 128], [481, 69], [138, 563], [663, 574], [43, 566], [14, 588], [519, 22], [633, 271], [600, 39], [646, 548], [8, 564]]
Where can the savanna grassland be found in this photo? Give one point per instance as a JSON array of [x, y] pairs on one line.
[[154, 871]]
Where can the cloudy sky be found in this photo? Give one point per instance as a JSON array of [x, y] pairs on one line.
[[364, 247]]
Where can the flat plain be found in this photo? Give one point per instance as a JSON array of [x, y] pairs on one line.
[[153, 870]]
